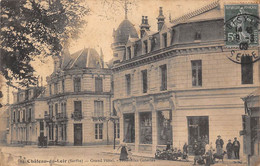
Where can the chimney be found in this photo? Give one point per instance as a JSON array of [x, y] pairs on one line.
[[160, 19], [144, 26]]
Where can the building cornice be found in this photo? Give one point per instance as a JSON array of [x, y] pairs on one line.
[[196, 47]]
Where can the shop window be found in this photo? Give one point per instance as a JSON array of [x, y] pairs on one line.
[[98, 84], [98, 108], [99, 131], [77, 84], [246, 70], [129, 128], [164, 127], [144, 81], [128, 84], [196, 66], [163, 70], [146, 128], [198, 129]]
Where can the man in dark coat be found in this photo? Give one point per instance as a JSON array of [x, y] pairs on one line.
[[229, 149], [236, 148], [219, 145]]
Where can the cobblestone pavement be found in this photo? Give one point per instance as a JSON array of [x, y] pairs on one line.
[[82, 155]]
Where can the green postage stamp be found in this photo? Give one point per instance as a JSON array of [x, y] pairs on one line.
[[241, 25]]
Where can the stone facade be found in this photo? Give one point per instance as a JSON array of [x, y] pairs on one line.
[[27, 115], [188, 77], [79, 96]]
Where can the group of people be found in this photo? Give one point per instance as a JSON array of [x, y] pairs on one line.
[[203, 148], [230, 147]]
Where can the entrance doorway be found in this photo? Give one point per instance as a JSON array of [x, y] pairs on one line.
[[77, 134], [198, 128]]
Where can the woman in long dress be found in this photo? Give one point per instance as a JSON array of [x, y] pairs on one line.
[[123, 152]]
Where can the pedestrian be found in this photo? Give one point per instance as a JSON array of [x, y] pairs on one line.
[[185, 148], [123, 152], [196, 150], [229, 149], [236, 148], [219, 145]]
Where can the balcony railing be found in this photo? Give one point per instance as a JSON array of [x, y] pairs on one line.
[[77, 115], [61, 116], [99, 116]]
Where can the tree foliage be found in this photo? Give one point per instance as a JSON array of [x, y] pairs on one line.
[[33, 28]]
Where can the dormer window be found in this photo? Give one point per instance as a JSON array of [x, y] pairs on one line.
[[164, 40], [198, 36], [129, 52], [135, 49], [145, 46]]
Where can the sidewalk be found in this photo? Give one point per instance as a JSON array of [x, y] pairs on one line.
[[191, 158]]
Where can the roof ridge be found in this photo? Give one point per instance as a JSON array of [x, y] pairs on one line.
[[197, 12]]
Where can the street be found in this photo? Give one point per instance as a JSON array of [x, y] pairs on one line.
[[81, 155]]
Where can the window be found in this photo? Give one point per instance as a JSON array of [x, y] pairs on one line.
[[77, 107], [129, 128], [14, 117], [99, 131], [51, 110], [55, 88], [98, 108], [129, 52], [135, 49], [128, 84], [29, 114], [63, 85], [198, 35], [98, 84], [117, 130], [146, 128], [144, 80], [164, 127], [26, 94], [145, 46], [164, 40], [23, 115], [50, 91], [163, 69], [56, 109], [77, 84], [196, 73], [246, 70], [65, 109]]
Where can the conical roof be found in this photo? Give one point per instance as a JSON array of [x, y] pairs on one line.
[[124, 30]]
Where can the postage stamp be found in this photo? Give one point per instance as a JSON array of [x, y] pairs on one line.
[[241, 25]]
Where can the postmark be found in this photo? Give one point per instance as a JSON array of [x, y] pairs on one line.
[[241, 26]]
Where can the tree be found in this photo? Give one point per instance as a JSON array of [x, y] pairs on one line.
[[36, 28]]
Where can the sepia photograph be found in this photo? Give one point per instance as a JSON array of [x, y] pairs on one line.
[[129, 82]]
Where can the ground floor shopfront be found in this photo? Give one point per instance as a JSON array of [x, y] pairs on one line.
[[178, 117], [82, 132]]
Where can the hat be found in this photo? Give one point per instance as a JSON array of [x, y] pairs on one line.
[[219, 136]]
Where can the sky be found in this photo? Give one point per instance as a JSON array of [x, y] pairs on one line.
[[106, 15]]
